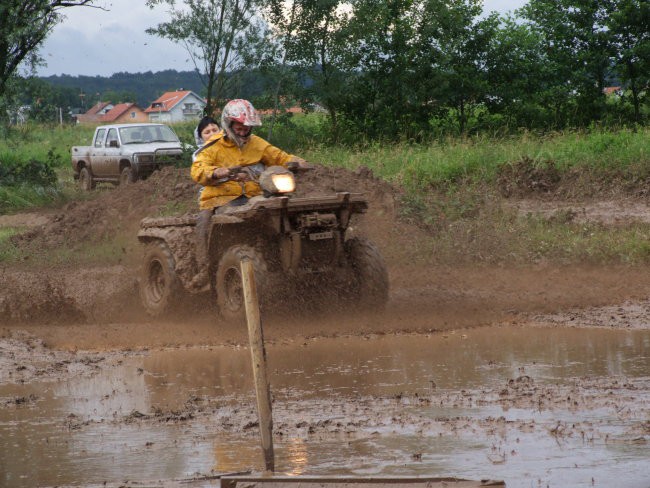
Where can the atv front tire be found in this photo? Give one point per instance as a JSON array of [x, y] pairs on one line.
[[159, 285], [228, 285], [370, 278]]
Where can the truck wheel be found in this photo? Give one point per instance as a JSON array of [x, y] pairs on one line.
[[86, 180], [127, 176], [370, 277], [228, 282], [159, 285]]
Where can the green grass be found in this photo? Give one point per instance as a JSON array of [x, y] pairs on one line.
[[14, 198], [498, 236], [478, 159], [450, 191], [32, 141], [8, 252]]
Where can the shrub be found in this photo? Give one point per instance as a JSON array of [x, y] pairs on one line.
[[15, 171]]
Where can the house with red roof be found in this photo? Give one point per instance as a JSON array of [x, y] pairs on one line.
[[93, 114], [124, 113], [176, 106], [107, 113], [612, 90]]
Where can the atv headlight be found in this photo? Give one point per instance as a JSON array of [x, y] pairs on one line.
[[284, 183], [277, 179]]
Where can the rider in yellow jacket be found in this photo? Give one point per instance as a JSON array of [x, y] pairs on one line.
[[234, 145], [222, 152]]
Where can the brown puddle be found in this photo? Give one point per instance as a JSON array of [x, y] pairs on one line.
[[532, 406]]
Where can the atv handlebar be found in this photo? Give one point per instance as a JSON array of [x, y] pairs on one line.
[[296, 167], [250, 173]]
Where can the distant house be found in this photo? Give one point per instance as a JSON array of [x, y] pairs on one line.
[[92, 116], [107, 113], [176, 106], [612, 90], [124, 113]]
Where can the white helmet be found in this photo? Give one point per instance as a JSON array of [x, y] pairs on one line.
[[241, 111]]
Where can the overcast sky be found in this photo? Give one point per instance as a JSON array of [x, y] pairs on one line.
[[97, 42]]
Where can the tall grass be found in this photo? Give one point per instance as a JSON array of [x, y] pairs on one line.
[[35, 141], [466, 223], [441, 163], [479, 158]]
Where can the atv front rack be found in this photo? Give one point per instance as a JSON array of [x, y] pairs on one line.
[[349, 203], [352, 202]]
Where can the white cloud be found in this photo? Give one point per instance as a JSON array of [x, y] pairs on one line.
[[97, 42]]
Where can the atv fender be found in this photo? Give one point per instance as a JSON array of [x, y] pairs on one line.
[[226, 219], [180, 241]]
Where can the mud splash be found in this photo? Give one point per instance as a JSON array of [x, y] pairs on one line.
[[547, 406]]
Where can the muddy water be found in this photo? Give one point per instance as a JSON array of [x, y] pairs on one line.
[[532, 406]]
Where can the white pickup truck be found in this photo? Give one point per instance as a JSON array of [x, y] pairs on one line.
[[124, 153]]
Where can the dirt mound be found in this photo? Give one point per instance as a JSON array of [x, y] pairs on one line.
[[113, 211], [530, 178], [527, 176], [171, 190]]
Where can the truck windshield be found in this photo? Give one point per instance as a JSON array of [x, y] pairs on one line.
[[139, 134]]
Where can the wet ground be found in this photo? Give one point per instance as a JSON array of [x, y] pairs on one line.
[[537, 374], [532, 405]]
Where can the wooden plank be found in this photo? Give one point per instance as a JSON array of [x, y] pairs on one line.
[[258, 356], [353, 482]]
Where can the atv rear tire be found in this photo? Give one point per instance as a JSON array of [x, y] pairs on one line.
[[370, 278], [228, 285], [159, 285]]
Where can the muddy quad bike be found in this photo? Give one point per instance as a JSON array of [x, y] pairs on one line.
[[294, 244]]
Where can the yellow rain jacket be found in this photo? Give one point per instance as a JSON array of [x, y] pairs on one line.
[[221, 152]]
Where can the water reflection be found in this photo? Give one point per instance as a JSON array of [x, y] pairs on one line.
[[74, 432]]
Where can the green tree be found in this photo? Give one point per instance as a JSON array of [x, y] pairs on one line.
[[629, 26], [411, 60], [47, 102], [216, 34], [310, 50], [463, 40], [518, 76], [119, 96], [578, 47], [24, 25], [383, 100]]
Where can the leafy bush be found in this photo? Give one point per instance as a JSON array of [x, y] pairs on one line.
[[15, 171]]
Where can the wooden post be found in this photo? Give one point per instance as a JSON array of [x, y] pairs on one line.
[[258, 355]]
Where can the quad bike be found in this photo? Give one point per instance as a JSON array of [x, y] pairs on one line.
[[294, 244]]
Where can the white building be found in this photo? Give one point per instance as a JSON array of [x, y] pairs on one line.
[[176, 106]]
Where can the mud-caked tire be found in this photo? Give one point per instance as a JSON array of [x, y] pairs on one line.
[[227, 284], [369, 282], [86, 179], [127, 176], [159, 285]]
